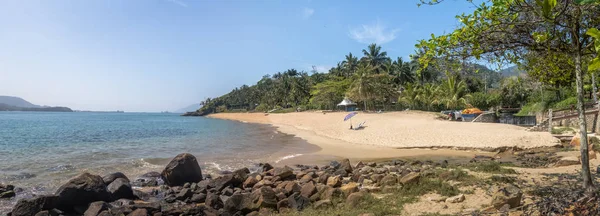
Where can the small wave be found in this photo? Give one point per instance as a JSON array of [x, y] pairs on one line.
[[287, 157], [218, 167], [143, 163]]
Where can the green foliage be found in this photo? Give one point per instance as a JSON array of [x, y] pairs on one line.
[[514, 92], [484, 101], [566, 103], [562, 130], [532, 108], [327, 94]]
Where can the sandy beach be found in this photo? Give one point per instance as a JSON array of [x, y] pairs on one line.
[[396, 134]]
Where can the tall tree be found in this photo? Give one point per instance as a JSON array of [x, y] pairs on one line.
[[375, 57], [350, 65], [506, 30]]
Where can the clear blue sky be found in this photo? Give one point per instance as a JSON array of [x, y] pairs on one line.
[[156, 55]]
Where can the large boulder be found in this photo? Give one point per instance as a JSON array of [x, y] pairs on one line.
[[240, 202], [308, 189], [334, 181], [82, 190], [182, 169], [355, 198], [283, 172], [120, 188], [265, 197], [298, 202], [111, 177], [349, 188], [410, 178], [28, 207]]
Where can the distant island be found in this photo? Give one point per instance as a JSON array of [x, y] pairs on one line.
[[10, 103]]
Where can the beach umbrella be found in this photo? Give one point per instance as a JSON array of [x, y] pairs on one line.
[[350, 115]]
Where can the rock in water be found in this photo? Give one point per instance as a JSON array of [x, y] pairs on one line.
[[111, 177], [82, 190], [120, 188], [28, 207], [183, 168]]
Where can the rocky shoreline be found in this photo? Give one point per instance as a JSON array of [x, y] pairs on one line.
[[182, 189]]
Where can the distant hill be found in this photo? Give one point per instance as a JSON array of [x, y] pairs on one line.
[[10, 103], [189, 108], [511, 71], [17, 102]]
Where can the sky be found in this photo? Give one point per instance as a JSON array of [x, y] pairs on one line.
[[162, 55]]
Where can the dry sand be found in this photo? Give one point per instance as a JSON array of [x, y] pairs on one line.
[[395, 134]]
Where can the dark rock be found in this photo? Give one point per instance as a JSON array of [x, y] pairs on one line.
[[323, 204], [443, 163], [345, 165], [240, 203], [240, 175], [227, 191], [95, 208], [121, 210], [323, 179], [28, 207], [213, 201], [198, 198], [81, 190], [139, 212], [150, 206], [223, 182], [141, 195], [335, 164], [283, 172], [359, 165], [355, 177], [372, 164], [122, 202], [355, 198], [341, 172], [7, 194], [120, 188], [264, 167], [308, 189], [284, 203], [149, 179], [298, 202], [183, 168], [203, 186], [265, 197], [111, 177], [43, 213], [184, 194]]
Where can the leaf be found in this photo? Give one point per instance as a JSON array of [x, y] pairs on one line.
[[594, 65], [547, 7], [595, 33]]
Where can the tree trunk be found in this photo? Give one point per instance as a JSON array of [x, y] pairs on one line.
[[365, 102], [594, 89], [585, 161]]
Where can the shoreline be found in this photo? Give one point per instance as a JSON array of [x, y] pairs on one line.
[[338, 148]]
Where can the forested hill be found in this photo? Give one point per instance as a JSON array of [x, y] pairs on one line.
[[10, 103], [373, 80]]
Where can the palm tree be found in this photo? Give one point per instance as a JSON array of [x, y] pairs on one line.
[[350, 65], [403, 72], [374, 57], [362, 88], [454, 93]]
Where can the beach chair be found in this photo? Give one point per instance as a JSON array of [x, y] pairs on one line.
[[360, 126]]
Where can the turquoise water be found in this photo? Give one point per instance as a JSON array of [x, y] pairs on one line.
[[39, 151]]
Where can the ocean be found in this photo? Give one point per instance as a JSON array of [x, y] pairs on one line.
[[41, 150]]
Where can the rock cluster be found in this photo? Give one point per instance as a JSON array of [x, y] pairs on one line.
[[181, 189]]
